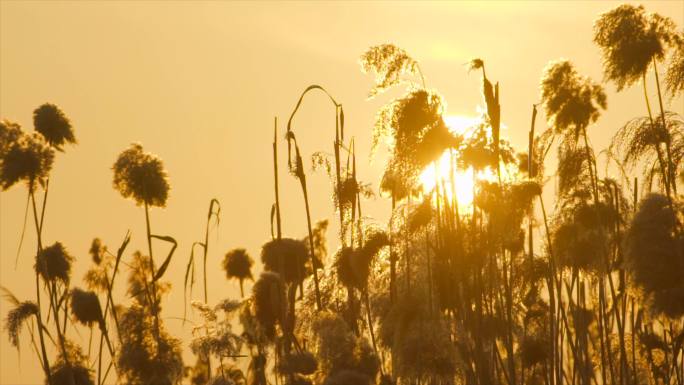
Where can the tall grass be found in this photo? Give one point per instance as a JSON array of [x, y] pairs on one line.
[[505, 289]]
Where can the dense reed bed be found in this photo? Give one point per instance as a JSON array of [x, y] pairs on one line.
[[496, 288]]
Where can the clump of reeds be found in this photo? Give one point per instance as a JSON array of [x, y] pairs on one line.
[[147, 353], [71, 368], [300, 363], [339, 350], [353, 265], [654, 253], [28, 158], [215, 337], [268, 295], [288, 257]]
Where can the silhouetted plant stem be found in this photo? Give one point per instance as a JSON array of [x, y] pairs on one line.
[[110, 284], [668, 149], [110, 302], [602, 329], [205, 249], [338, 186], [370, 329], [106, 373], [594, 178], [314, 268], [45, 363], [429, 271], [393, 256], [205, 245], [558, 283], [663, 169], [352, 175], [153, 295], [38, 301], [99, 360], [42, 210], [509, 312], [590, 162], [300, 174], [407, 251], [275, 177]]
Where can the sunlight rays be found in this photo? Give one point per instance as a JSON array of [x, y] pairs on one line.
[[464, 180]]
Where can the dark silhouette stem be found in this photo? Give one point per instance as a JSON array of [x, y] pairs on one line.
[[275, 177], [668, 145], [663, 170], [314, 268], [39, 319]]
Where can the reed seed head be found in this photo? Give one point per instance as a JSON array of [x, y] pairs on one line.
[[16, 318], [85, 306], [238, 264], [141, 176], [52, 123], [53, 263], [27, 159], [268, 294], [97, 250], [630, 39], [571, 101], [288, 257], [654, 244]]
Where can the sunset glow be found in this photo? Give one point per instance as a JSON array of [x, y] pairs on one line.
[[341, 192], [463, 180]]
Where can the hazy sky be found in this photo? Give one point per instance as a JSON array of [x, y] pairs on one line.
[[198, 83]]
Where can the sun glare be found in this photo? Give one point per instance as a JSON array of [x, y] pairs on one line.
[[463, 180]]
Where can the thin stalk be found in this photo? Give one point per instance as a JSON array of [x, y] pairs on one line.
[[275, 177], [319, 307], [633, 332], [42, 210], [590, 161], [38, 315], [407, 254], [661, 162], [557, 284], [206, 248], [393, 256], [670, 173], [338, 171], [153, 294], [429, 268], [602, 331], [370, 329], [99, 361], [23, 231], [302, 181]]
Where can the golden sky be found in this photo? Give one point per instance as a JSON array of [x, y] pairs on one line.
[[198, 83]]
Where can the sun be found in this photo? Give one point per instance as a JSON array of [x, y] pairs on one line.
[[463, 180]]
